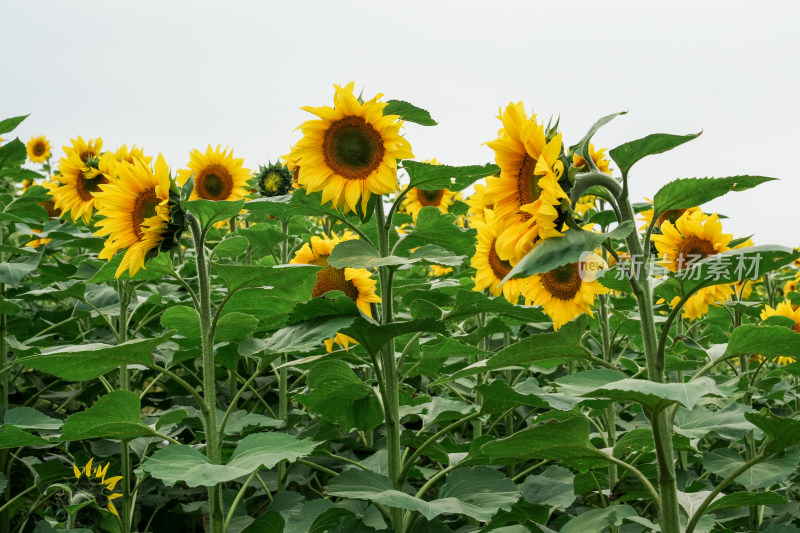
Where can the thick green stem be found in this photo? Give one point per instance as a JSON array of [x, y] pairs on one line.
[[213, 449], [124, 384], [283, 374], [611, 410]]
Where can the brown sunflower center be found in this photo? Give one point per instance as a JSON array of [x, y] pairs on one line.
[[563, 282], [86, 186], [143, 207], [352, 148], [528, 190], [332, 279], [499, 267], [39, 148], [693, 249], [671, 216], [433, 198], [214, 183]]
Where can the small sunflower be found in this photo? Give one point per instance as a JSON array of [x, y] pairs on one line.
[[79, 178], [356, 283], [790, 286], [785, 308], [415, 199], [490, 269], [437, 271], [97, 486], [585, 204], [38, 149], [273, 180], [598, 157], [477, 203], [568, 291], [217, 175], [693, 237], [527, 193], [351, 153], [137, 213]]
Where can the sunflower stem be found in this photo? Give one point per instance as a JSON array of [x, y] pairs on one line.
[[391, 400], [124, 384], [213, 451], [283, 375], [5, 516]]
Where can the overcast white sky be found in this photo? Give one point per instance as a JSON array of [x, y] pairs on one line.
[[176, 75]]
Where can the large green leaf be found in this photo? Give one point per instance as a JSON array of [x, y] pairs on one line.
[[88, 361], [599, 519], [361, 254], [116, 415], [282, 277], [211, 211], [769, 341], [428, 176], [408, 112], [29, 418], [231, 326], [13, 437], [746, 499], [159, 266], [373, 336], [9, 124], [308, 335], [725, 461], [780, 432], [434, 227], [628, 154], [12, 155], [557, 251], [298, 203], [582, 147], [554, 487], [658, 395], [698, 422], [470, 303], [691, 192]]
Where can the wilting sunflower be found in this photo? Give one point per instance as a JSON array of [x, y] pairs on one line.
[[97, 486], [217, 175], [79, 179], [785, 308], [273, 180], [490, 269], [415, 199], [356, 283], [38, 149], [568, 291], [351, 152], [693, 237], [527, 193], [136, 211]]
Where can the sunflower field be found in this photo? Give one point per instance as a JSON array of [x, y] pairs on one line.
[[346, 339]]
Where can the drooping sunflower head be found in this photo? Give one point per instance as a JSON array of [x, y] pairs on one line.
[[598, 157], [217, 175], [693, 236], [351, 152], [566, 292], [273, 180], [38, 149], [415, 199], [79, 179], [93, 482], [490, 268], [137, 213], [356, 283]]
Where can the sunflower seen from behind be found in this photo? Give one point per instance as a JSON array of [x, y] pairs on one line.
[[217, 175], [38, 149], [79, 179], [136, 213], [351, 151], [273, 180], [93, 482], [356, 283]]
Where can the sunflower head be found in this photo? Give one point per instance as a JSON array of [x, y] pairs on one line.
[[273, 180], [79, 178], [490, 268], [217, 175], [351, 151], [693, 236], [415, 199], [123, 155], [598, 158], [38, 149], [93, 483]]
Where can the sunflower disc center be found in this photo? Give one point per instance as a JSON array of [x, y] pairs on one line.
[[693, 249], [563, 282], [332, 279], [499, 267], [353, 148], [144, 207], [38, 149], [214, 183], [430, 198], [86, 186]]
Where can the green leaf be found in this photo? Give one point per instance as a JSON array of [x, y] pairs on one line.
[[725, 461], [692, 192], [12, 154], [282, 277], [209, 212], [8, 125], [183, 319], [372, 336], [29, 418], [408, 112], [599, 519], [265, 450], [7, 307], [13, 437], [428, 176], [339, 395], [557, 251], [269, 522], [158, 267], [658, 395], [628, 154], [231, 246], [434, 227], [746, 499], [361, 254], [553, 488], [498, 396], [12, 273], [470, 303], [700, 421], [639, 440], [769, 341], [308, 335], [582, 148], [88, 361], [116, 415], [780, 432], [299, 203]]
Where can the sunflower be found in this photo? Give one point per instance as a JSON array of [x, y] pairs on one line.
[[527, 193], [136, 211], [693, 237], [477, 202], [351, 152], [97, 486], [38, 149], [415, 199], [217, 175], [79, 179], [585, 204], [785, 308], [670, 215], [436, 271], [273, 180], [123, 155], [568, 291], [356, 283], [598, 157], [490, 268], [790, 286]]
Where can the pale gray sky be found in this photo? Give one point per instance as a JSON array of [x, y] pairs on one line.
[[176, 75]]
